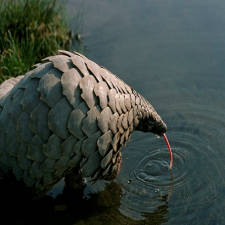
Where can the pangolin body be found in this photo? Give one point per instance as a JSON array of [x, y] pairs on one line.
[[68, 113]]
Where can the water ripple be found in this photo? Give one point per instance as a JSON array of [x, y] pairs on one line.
[[154, 170], [197, 139]]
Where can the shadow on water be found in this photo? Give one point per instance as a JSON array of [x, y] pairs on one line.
[[71, 208]]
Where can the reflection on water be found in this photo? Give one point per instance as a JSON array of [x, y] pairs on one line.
[[71, 208]]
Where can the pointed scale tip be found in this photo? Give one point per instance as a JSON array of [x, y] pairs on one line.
[[169, 149]]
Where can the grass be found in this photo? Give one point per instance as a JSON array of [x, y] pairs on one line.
[[29, 31]]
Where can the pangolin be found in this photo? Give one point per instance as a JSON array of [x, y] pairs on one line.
[[68, 114]]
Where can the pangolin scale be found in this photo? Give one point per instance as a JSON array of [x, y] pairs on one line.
[[68, 113]]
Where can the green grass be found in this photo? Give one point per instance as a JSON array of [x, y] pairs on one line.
[[29, 31]]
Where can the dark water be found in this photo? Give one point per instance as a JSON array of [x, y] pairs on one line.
[[172, 52]]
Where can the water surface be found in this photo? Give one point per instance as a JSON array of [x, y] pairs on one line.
[[172, 52]]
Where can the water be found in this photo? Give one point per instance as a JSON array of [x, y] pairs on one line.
[[173, 53]]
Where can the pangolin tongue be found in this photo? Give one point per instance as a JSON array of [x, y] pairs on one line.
[[169, 149]]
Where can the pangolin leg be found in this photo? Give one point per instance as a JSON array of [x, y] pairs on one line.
[[74, 181]]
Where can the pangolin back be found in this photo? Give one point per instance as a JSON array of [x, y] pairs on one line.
[[67, 113]]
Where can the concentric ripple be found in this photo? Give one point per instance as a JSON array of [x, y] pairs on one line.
[[197, 140], [154, 170]]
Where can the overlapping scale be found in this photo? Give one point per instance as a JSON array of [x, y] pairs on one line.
[[67, 113]]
